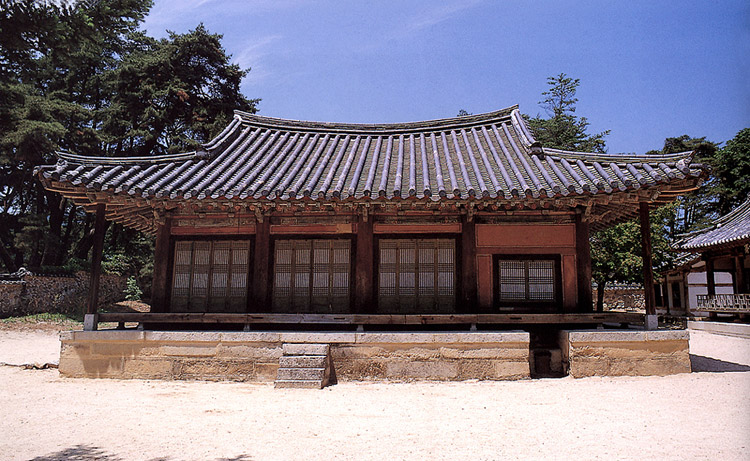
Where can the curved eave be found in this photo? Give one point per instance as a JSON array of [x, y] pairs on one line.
[[730, 230]]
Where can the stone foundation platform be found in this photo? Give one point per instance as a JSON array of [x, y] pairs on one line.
[[625, 352], [254, 356], [444, 356]]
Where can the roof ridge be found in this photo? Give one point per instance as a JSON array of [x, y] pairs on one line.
[[88, 160], [437, 124], [686, 155]]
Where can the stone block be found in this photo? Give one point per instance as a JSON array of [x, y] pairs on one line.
[[407, 370], [215, 370], [301, 373], [189, 350], [250, 336], [608, 336], [668, 335], [258, 351], [413, 353], [116, 349], [512, 370], [147, 369], [395, 338], [351, 351], [108, 335], [360, 369], [303, 361], [183, 336], [305, 349], [486, 351], [317, 337], [473, 337], [266, 371]]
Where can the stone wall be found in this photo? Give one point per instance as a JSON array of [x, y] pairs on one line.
[[624, 352], [627, 298], [34, 294], [254, 356]]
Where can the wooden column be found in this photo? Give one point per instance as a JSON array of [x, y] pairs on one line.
[[583, 265], [648, 270], [468, 276], [710, 276], [262, 267], [739, 275], [100, 229], [364, 274], [162, 262]]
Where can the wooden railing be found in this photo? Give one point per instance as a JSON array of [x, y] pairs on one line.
[[735, 303]]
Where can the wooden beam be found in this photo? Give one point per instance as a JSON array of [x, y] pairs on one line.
[[468, 275], [162, 262], [364, 278], [583, 265], [710, 276], [261, 287], [648, 269], [100, 229], [374, 319], [739, 275]]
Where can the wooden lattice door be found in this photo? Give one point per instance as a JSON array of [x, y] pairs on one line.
[[417, 275], [523, 283], [312, 276], [210, 276]]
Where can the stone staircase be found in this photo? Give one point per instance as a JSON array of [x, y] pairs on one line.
[[304, 366]]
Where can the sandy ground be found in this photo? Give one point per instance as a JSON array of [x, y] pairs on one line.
[[704, 415]]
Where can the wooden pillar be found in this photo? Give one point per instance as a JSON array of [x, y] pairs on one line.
[[468, 276], [100, 229], [583, 265], [710, 276], [739, 275], [648, 270], [162, 263], [262, 267], [364, 278]]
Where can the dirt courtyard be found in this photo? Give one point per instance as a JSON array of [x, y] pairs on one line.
[[702, 415]]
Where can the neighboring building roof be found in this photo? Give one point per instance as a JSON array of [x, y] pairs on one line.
[[729, 230], [486, 156]]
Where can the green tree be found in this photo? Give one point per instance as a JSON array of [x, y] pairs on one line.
[[731, 166], [85, 80], [172, 94], [616, 251], [698, 208], [564, 129]]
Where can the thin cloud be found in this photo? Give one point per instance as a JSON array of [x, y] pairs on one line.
[[437, 15], [253, 56], [423, 20]]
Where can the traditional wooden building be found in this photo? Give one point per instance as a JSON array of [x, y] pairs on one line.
[[462, 220], [723, 248]]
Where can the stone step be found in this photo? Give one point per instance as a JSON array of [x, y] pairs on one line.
[[298, 384], [302, 361], [305, 349], [301, 373]]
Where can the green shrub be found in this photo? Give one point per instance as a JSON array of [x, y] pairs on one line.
[[132, 290]]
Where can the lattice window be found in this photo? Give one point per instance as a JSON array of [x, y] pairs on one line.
[[312, 275], [417, 275], [527, 281], [210, 276]]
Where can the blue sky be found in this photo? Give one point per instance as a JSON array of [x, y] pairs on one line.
[[648, 69]]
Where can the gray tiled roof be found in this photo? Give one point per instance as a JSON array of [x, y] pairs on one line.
[[732, 228], [488, 155]]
